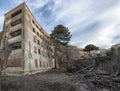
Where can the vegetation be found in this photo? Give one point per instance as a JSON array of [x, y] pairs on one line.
[[90, 47], [110, 53], [104, 59], [1, 35], [60, 35]]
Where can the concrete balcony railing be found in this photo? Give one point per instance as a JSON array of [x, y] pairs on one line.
[[14, 28], [14, 18], [15, 39]]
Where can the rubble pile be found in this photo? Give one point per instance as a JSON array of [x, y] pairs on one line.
[[97, 80]]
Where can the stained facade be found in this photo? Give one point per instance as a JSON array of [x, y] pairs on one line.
[[32, 50]]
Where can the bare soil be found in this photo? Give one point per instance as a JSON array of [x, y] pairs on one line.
[[53, 81], [39, 82]]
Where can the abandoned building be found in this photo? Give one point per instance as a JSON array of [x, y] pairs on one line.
[[32, 50]]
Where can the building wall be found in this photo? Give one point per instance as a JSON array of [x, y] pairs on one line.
[[15, 60], [86, 54], [36, 52]]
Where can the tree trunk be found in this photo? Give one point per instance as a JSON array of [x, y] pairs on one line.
[[0, 70], [55, 57]]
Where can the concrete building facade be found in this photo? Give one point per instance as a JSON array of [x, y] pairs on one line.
[[32, 50]]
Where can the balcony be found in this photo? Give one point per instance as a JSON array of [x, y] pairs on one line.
[[16, 22], [16, 13], [15, 33], [15, 39], [14, 28], [13, 19]]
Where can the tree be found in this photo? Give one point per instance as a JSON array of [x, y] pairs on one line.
[[60, 35], [90, 47]]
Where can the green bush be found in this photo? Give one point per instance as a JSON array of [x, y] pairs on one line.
[[102, 59]]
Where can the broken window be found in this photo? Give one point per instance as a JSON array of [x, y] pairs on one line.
[[48, 55], [46, 41], [16, 33], [34, 39], [33, 22], [51, 50], [34, 30], [41, 36], [39, 51], [53, 56], [38, 42], [40, 29], [43, 39], [43, 63], [15, 46], [16, 13], [40, 63], [37, 33], [16, 22], [36, 63], [47, 64], [35, 50], [37, 26]]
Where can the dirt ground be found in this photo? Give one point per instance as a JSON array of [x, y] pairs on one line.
[[38, 82], [48, 81]]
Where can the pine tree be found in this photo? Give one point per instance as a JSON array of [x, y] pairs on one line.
[[90, 47], [60, 35]]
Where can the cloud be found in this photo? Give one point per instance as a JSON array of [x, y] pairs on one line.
[[110, 27], [90, 21], [1, 22], [105, 34], [1, 19], [35, 4]]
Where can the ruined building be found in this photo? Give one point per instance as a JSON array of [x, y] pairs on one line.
[[32, 50]]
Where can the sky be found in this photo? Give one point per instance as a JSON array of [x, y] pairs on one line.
[[90, 21]]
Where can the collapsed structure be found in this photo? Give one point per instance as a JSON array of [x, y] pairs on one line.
[[32, 50]]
